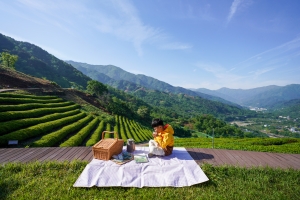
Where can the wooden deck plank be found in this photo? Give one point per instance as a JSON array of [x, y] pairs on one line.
[[60, 153], [50, 153], [40, 152], [288, 159], [84, 154], [208, 157], [78, 155], [66, 151], [54, 155], [30, 154], [218, 157], [229, 159], [277, 162], [71, 153], [2, 151], [271, 162], [89, 157], [76, 151], [244, 161], [235, 158], [16, 154], [6, 152], [197, 156], [232, 159], [258, 159], [254, 159], [215, 157]]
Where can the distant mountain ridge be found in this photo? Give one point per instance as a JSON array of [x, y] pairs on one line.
[[123, 80], [266, 97]]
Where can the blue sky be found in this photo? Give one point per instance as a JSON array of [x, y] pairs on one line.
[[193, 44]]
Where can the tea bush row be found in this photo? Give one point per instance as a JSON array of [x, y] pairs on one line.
[[57, 137], [29, 106], [77, 139], [39, 129], [11, 95], [13, 115], [9, 126], [96, 136], [4, 100]]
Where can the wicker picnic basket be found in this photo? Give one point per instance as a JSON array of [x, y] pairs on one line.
[[107, 147]]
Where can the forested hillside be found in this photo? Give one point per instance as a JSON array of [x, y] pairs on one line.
[[184, 106], [123, 80], [35, 61], [271, 97], [288, 108]]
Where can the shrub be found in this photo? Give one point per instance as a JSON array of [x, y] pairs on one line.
[[39, 129], [77, 139], [12, 115], [96, 136], [10, 126], [4, 100], [29, 106], [26, 96], [57, 136]]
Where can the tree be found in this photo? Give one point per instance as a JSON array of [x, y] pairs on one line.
[[96, 88], [8, 60], [143, 111]]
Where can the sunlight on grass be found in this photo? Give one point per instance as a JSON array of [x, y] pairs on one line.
[[53, 180]]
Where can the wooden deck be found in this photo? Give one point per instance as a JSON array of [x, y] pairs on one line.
[[247, 159], [215, 157]]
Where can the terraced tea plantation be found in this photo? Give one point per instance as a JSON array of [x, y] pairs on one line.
[[45, 121]]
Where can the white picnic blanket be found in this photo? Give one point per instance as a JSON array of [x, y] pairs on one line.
[[176, 170]]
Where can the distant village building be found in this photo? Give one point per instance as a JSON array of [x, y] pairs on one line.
[[293, 129]]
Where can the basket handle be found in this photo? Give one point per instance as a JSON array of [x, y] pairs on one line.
[[110, 132]]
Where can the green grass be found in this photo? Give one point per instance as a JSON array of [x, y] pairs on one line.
[[278, 145], [53, 180]]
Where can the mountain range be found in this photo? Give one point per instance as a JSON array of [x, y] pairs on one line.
[[266, 97], [123, 80], [35, 61]]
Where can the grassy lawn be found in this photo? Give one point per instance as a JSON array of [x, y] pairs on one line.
[[53, 180]]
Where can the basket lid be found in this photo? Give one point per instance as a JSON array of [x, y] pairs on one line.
[[105, 143]]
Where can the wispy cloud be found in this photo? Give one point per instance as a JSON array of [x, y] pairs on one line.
[[236, 6], [259, 72], [276, 57], [52, 12], [219, 72], [279, 65], [125, 23], [176, 46], [118, 18]]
